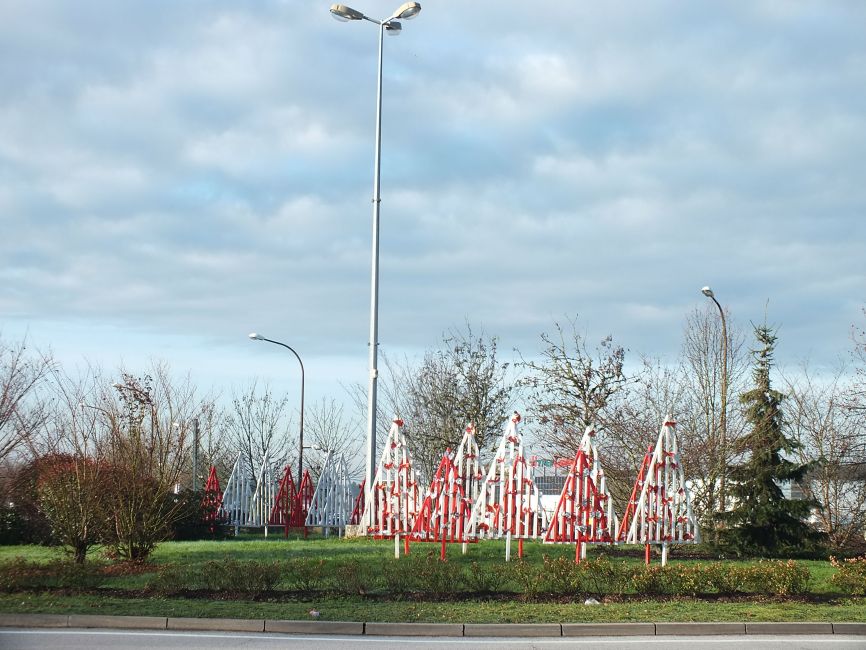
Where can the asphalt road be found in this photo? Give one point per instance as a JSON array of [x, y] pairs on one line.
[[72, 639]]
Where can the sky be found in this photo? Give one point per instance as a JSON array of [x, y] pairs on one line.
[[176, 175]]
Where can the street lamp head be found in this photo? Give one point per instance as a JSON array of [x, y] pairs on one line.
[[345, 14], [407, 11], [708, 292], [256, 337]]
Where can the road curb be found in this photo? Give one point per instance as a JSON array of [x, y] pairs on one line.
[[413, 629], [118, 622], [699, 629], [314, 627], [512, 629], [789, 628], [608, 629], [429, 629], [216, 624]]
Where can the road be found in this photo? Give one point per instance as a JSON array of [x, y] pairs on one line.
[[72, 639]]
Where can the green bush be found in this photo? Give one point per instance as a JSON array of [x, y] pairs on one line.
[[485, 578], [434, 576], [307, 574], [250, 577], [600, 577], [850, 575], [21, 575], [781, 578], [353, 578]]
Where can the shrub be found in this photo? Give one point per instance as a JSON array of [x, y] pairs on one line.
[[436, 577], [481, 578], [600, 577], [306, 574], [227, 575], [777, 577], [528, 579], [558, 576], [850, 575], [353, 578], [19, 575]]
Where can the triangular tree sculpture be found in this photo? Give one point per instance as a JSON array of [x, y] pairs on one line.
[[332, 501], [662, 512], [467, 464], [587, 444], [395, 496], [236, 497], [303, 500], [284, 503], [445, 511], [263, 498], [584, 511], [212, 500], [358, 510], [509, 503]]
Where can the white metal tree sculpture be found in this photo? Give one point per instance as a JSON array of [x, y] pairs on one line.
[[264, 496], [236, 497], [395, 496], [467, 464], [332, 501], [580, 516], [509, 503], [588, 446], [662, 513]]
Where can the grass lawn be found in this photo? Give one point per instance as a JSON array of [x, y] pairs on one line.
[[123, 594]]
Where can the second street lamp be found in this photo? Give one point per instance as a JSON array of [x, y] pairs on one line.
[[723, 419], [259, 337], [392, 25]]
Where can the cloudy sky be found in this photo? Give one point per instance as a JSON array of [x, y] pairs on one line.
[[175, 175]]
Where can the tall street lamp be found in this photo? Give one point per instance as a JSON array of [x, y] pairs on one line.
[[723, 420], [259, 337], [391, 25]]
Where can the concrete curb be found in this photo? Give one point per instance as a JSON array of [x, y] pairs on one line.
[[699, 629], [413, 629], [118, 622], [426, 629], [789, 628], [608, 629], [314, 627], [512, 629], [216, 624]]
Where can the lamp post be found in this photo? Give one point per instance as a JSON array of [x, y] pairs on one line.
[[391, 25], [723, 420], [259, 337]]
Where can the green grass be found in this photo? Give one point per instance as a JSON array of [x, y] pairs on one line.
[[356, 609], [823, 603]]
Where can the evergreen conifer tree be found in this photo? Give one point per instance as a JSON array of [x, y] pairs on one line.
[[763, 521]]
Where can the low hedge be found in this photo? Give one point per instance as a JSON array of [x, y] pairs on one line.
[[424, 575]]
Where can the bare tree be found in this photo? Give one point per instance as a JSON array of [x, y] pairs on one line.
[[71, 486], [857, 399], [21, 410], [632, 420], [328, 428], [572, 387], [150, 420], [700, 411], [463, 381], [257, 423], [831, 437]]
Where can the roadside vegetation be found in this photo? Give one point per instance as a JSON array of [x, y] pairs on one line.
[[359, 579]]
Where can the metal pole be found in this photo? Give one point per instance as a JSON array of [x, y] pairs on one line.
[[301, 435], [374, 290], [723, 421]]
